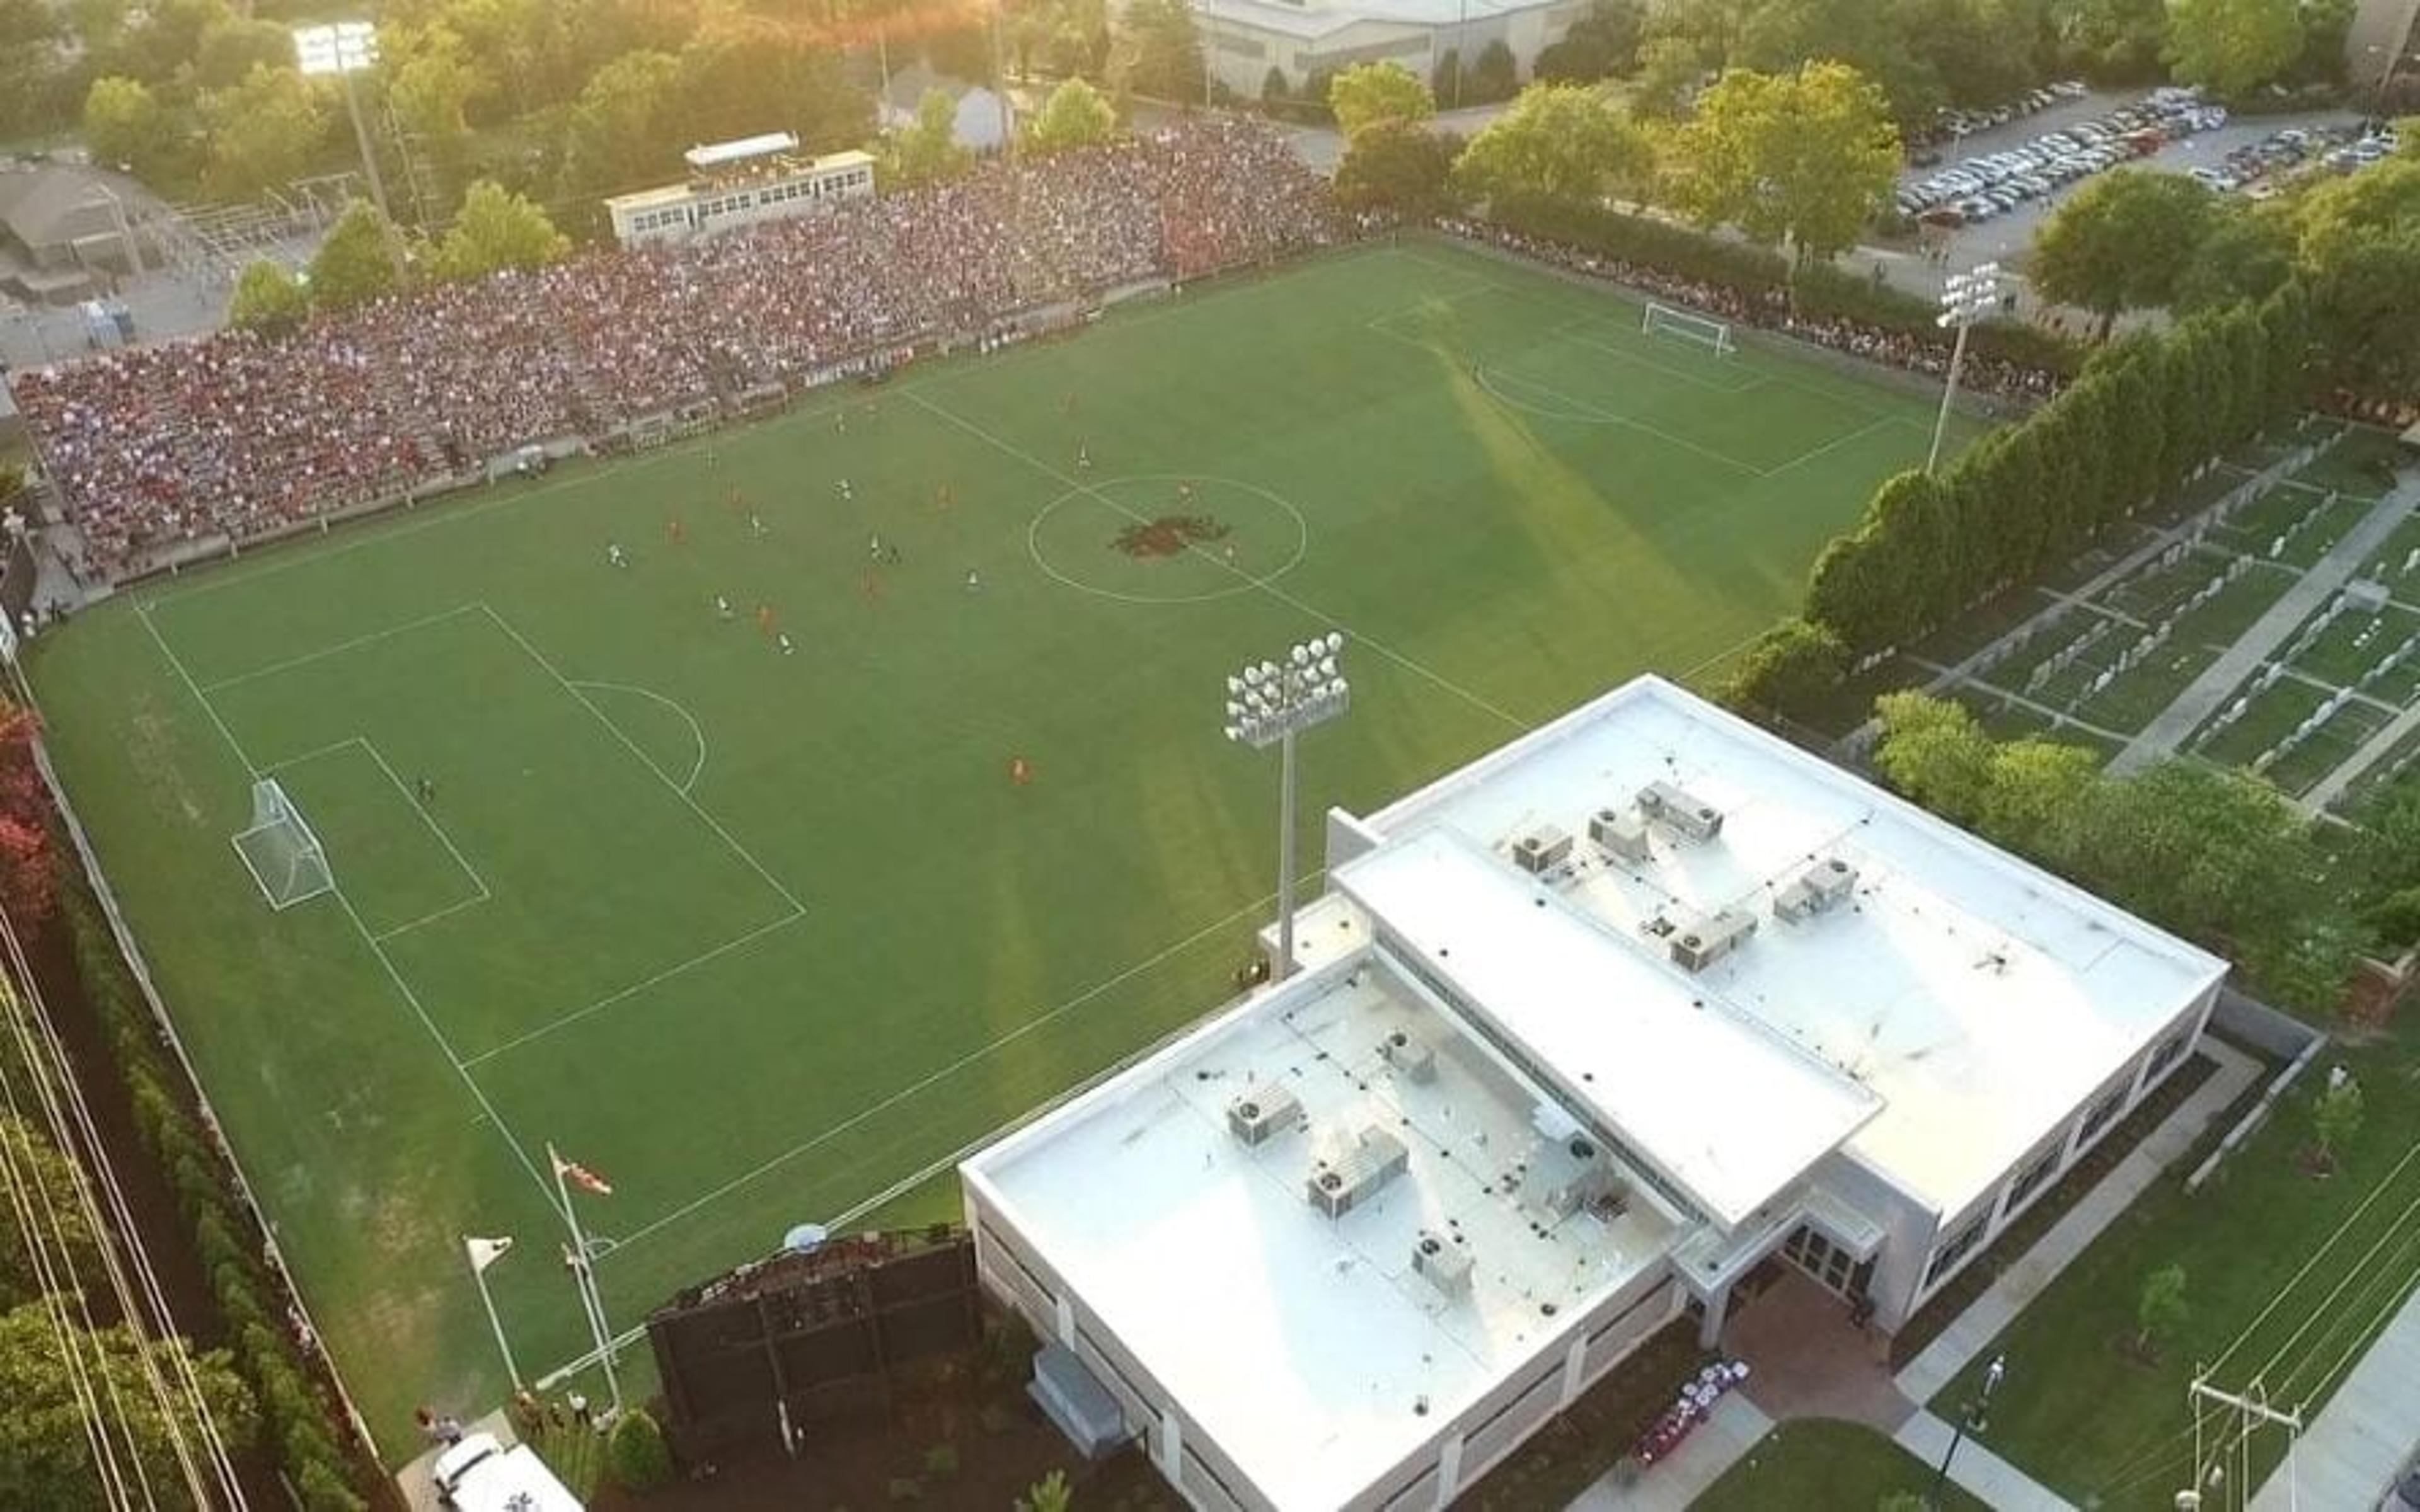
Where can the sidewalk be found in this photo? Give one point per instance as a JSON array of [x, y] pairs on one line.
[[2202, 697], [2371, 1426], [1671, 1485], [2018, 1286], [2002, 1486]]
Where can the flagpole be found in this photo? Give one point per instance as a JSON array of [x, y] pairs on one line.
[[479, 1277], [585, 1280]]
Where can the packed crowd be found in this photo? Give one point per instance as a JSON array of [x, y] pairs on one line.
[[238, 434], [1769, 309]]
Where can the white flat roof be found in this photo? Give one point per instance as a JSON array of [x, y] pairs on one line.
[[1308, 1348], [1982, 998], [1718, 1105], [722, 154]]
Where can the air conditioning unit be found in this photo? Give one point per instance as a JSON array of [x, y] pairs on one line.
[[1618, 834], [1678, 810], [1336, 1187], [1701, 945], [1445, 1263], [1820, 888], [1260, 1112], [1410, 1055], [1542, 849]]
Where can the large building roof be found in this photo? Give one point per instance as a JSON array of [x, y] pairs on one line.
[[1980, 997]]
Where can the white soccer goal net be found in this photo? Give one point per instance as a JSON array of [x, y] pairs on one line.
[[1664, 320], [280, 851]]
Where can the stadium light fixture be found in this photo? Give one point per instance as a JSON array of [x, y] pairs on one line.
[[344, 49], [1966, 299], [1268, 704]]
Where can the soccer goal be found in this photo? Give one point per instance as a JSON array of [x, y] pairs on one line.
[[280, 851], [1664, 320]]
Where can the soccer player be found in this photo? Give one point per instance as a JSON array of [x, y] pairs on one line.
[[425, 791], [874, 546], [756, 525], [721, 607], [974, 580], [846, 492], [943, 497], [614, 554], [1083, 457], [765, 618], [1185, 493], [783, 640], [1020, 771]]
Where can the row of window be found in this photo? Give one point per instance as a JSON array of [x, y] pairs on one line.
[[825, 186]]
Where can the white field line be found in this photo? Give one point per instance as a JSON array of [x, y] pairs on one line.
[[340, 648], [696, 732]]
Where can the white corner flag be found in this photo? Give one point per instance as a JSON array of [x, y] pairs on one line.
[[485, 1252]]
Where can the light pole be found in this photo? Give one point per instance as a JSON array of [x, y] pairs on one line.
[[346, 48], [1268, 704], [1972, 1420], [1969, 296]]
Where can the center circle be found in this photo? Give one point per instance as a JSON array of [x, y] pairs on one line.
[[1168, 537]]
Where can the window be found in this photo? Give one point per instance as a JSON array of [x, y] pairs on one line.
[[1945, 1258], [2170, 1050], [2097, 1117], [2029, 1180]]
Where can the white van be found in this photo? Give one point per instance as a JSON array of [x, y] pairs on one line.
[[480, 1475]]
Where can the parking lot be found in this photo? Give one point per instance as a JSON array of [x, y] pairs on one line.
[[2006, 237]]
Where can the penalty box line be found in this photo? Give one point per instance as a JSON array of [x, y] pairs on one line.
[[480, 892]]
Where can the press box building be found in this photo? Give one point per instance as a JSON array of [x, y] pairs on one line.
[[1581, 1034]]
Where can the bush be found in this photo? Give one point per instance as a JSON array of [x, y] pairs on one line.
[[1786, 670], [635, 1454]]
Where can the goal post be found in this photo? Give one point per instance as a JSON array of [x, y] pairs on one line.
[[1669, 320], [280, 851]]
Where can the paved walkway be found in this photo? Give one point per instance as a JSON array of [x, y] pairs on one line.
[[2366, 1432], [2373, 750], [1670, 1485], [2201, 699], [2020, 1284], [2001, 1485]]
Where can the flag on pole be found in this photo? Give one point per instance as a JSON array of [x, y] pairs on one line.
[[581, 1177], [486, 1252]]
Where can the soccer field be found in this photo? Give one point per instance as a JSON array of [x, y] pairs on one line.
[[757, 934]]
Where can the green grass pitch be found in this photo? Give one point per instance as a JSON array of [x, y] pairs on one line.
[[757, 935]]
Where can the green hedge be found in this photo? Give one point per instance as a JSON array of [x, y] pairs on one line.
[[294, 1406]]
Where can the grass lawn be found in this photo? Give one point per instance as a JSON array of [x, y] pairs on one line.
[[2272, 715], [2223, 620], [760, 936], [2352, 465], [2287, 1278], [2386, 562], [1820, 1462], [2326, 749], [2354, 642]]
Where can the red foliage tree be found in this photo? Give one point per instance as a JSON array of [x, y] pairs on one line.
[[28, 882]]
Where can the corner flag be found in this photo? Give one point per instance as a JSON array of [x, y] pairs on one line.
[[581, 1177], [486, 1252]]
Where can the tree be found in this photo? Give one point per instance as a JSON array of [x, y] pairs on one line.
[[1160, 52], [2038, 797], [2336, 1121], [124, 123], [2232, 47], [2358, 249], [1670, 70], [1802, 160], [49, 1182], [232, 48], [431, 88], [495, 230], [1372, 94], [2245, 253], [1557, 139], [267, 299], [264, 131], [636, 1453], [1786, 670], [1496, 76], [1599, 45], [45, 1457], [620, 127], [1069, 37], [1932, 750], [1075, 116], [2121, 241], [1398, 167], [926, 150], [356, 264], [2118, 41], [2161, 1311], [743, 72]]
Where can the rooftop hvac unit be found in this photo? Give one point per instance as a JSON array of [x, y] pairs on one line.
[[1681, 813], [1818, 889], [1411, 1054], [1445, 1263], [1262, 1112], [1336, 1187], [1620, 834], [1542, 849], [1701, 945]]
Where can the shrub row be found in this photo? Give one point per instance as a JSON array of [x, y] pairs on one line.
[[294, 1405]]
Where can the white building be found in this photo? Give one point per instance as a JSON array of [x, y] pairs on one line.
[[1583, 1033], [739, 183], [1247, 38]]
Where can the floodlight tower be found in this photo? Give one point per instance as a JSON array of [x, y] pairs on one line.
[[346, 48], [1268, 704], [1969, 296]]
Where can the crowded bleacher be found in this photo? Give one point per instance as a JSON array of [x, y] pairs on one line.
[[236, 435]]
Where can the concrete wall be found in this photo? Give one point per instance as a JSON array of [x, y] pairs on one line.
[[2257, 1024], [2380, 29]]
